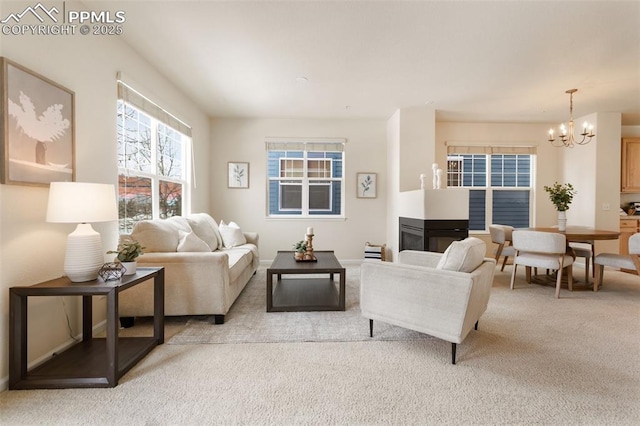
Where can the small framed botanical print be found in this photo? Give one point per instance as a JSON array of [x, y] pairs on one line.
[[367, 185], [238, 175]]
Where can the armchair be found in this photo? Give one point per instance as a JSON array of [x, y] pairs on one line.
[[442, 295]]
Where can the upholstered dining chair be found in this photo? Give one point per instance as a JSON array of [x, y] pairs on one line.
[[546, 250], [586, 250], [501, 235], [630, 261]]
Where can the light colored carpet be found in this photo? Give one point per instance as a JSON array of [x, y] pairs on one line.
[[249, 322], [534, 360]]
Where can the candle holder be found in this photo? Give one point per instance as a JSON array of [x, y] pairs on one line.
[[308, 255]]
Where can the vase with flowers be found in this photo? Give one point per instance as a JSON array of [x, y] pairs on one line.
[[561, 196]]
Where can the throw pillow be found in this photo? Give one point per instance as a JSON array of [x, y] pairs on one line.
[[463, 256], [232, 236], [206, 229], [180, 223], [157, 235], [189, 241]]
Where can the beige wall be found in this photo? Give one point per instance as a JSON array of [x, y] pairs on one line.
[[32, 250], [594, 171], [417, 139], [244, 140]]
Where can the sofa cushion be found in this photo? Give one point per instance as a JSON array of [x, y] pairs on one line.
[[232, 235], [180, 223], [189, 242], [463, 256], [239, 260], [157, 235], [206, 228]]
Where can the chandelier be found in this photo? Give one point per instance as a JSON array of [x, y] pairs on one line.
[[567, 138]]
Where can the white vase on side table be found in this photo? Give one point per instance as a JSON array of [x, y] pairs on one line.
[[130, 267]]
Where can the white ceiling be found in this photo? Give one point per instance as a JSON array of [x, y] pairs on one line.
[[502, 61]]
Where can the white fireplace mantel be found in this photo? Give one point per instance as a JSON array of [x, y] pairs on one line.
[[435, 204]]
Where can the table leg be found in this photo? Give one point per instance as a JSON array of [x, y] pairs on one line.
[[343, 281], [270, 290], [112, 338], [17, 339], [87, 318], [158, 307]]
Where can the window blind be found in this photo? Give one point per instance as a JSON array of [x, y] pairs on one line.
[[137, 99], [314, 145], [491, 149]]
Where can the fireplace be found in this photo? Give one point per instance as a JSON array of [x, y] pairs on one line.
[[431, 235]]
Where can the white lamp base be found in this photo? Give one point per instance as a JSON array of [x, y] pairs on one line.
[[84, 256]]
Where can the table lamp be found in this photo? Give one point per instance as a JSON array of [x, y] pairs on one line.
[[82, 203]]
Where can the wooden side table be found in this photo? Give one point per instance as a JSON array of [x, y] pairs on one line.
[[98, 362]]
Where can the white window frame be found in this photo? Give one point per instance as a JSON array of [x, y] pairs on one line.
[[154, 176], [489, 189], [305, 181]]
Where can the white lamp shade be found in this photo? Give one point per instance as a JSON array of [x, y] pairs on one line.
[[78, 202]]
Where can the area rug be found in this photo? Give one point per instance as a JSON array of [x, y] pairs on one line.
[[248, 321]]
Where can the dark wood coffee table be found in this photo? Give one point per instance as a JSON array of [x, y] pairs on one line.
[[297, 294]]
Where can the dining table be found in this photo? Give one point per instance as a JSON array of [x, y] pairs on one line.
[[581, 234]]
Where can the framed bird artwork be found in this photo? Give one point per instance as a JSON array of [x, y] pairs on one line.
[[38, 136]]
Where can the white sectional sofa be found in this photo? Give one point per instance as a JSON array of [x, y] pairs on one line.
[[206, 266]]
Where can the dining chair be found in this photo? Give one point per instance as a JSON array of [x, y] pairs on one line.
[[546, 250], [586, 250], [501, 235], [630, 261]]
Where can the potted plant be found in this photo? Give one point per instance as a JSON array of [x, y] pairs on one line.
[[561, 196], [300, 249], [127, 254]]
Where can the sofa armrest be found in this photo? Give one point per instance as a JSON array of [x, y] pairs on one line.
[[252, 237], [419, 258]]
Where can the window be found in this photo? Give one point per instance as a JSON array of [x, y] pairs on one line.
[[305, 179], [152, 175], [501, 181]]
